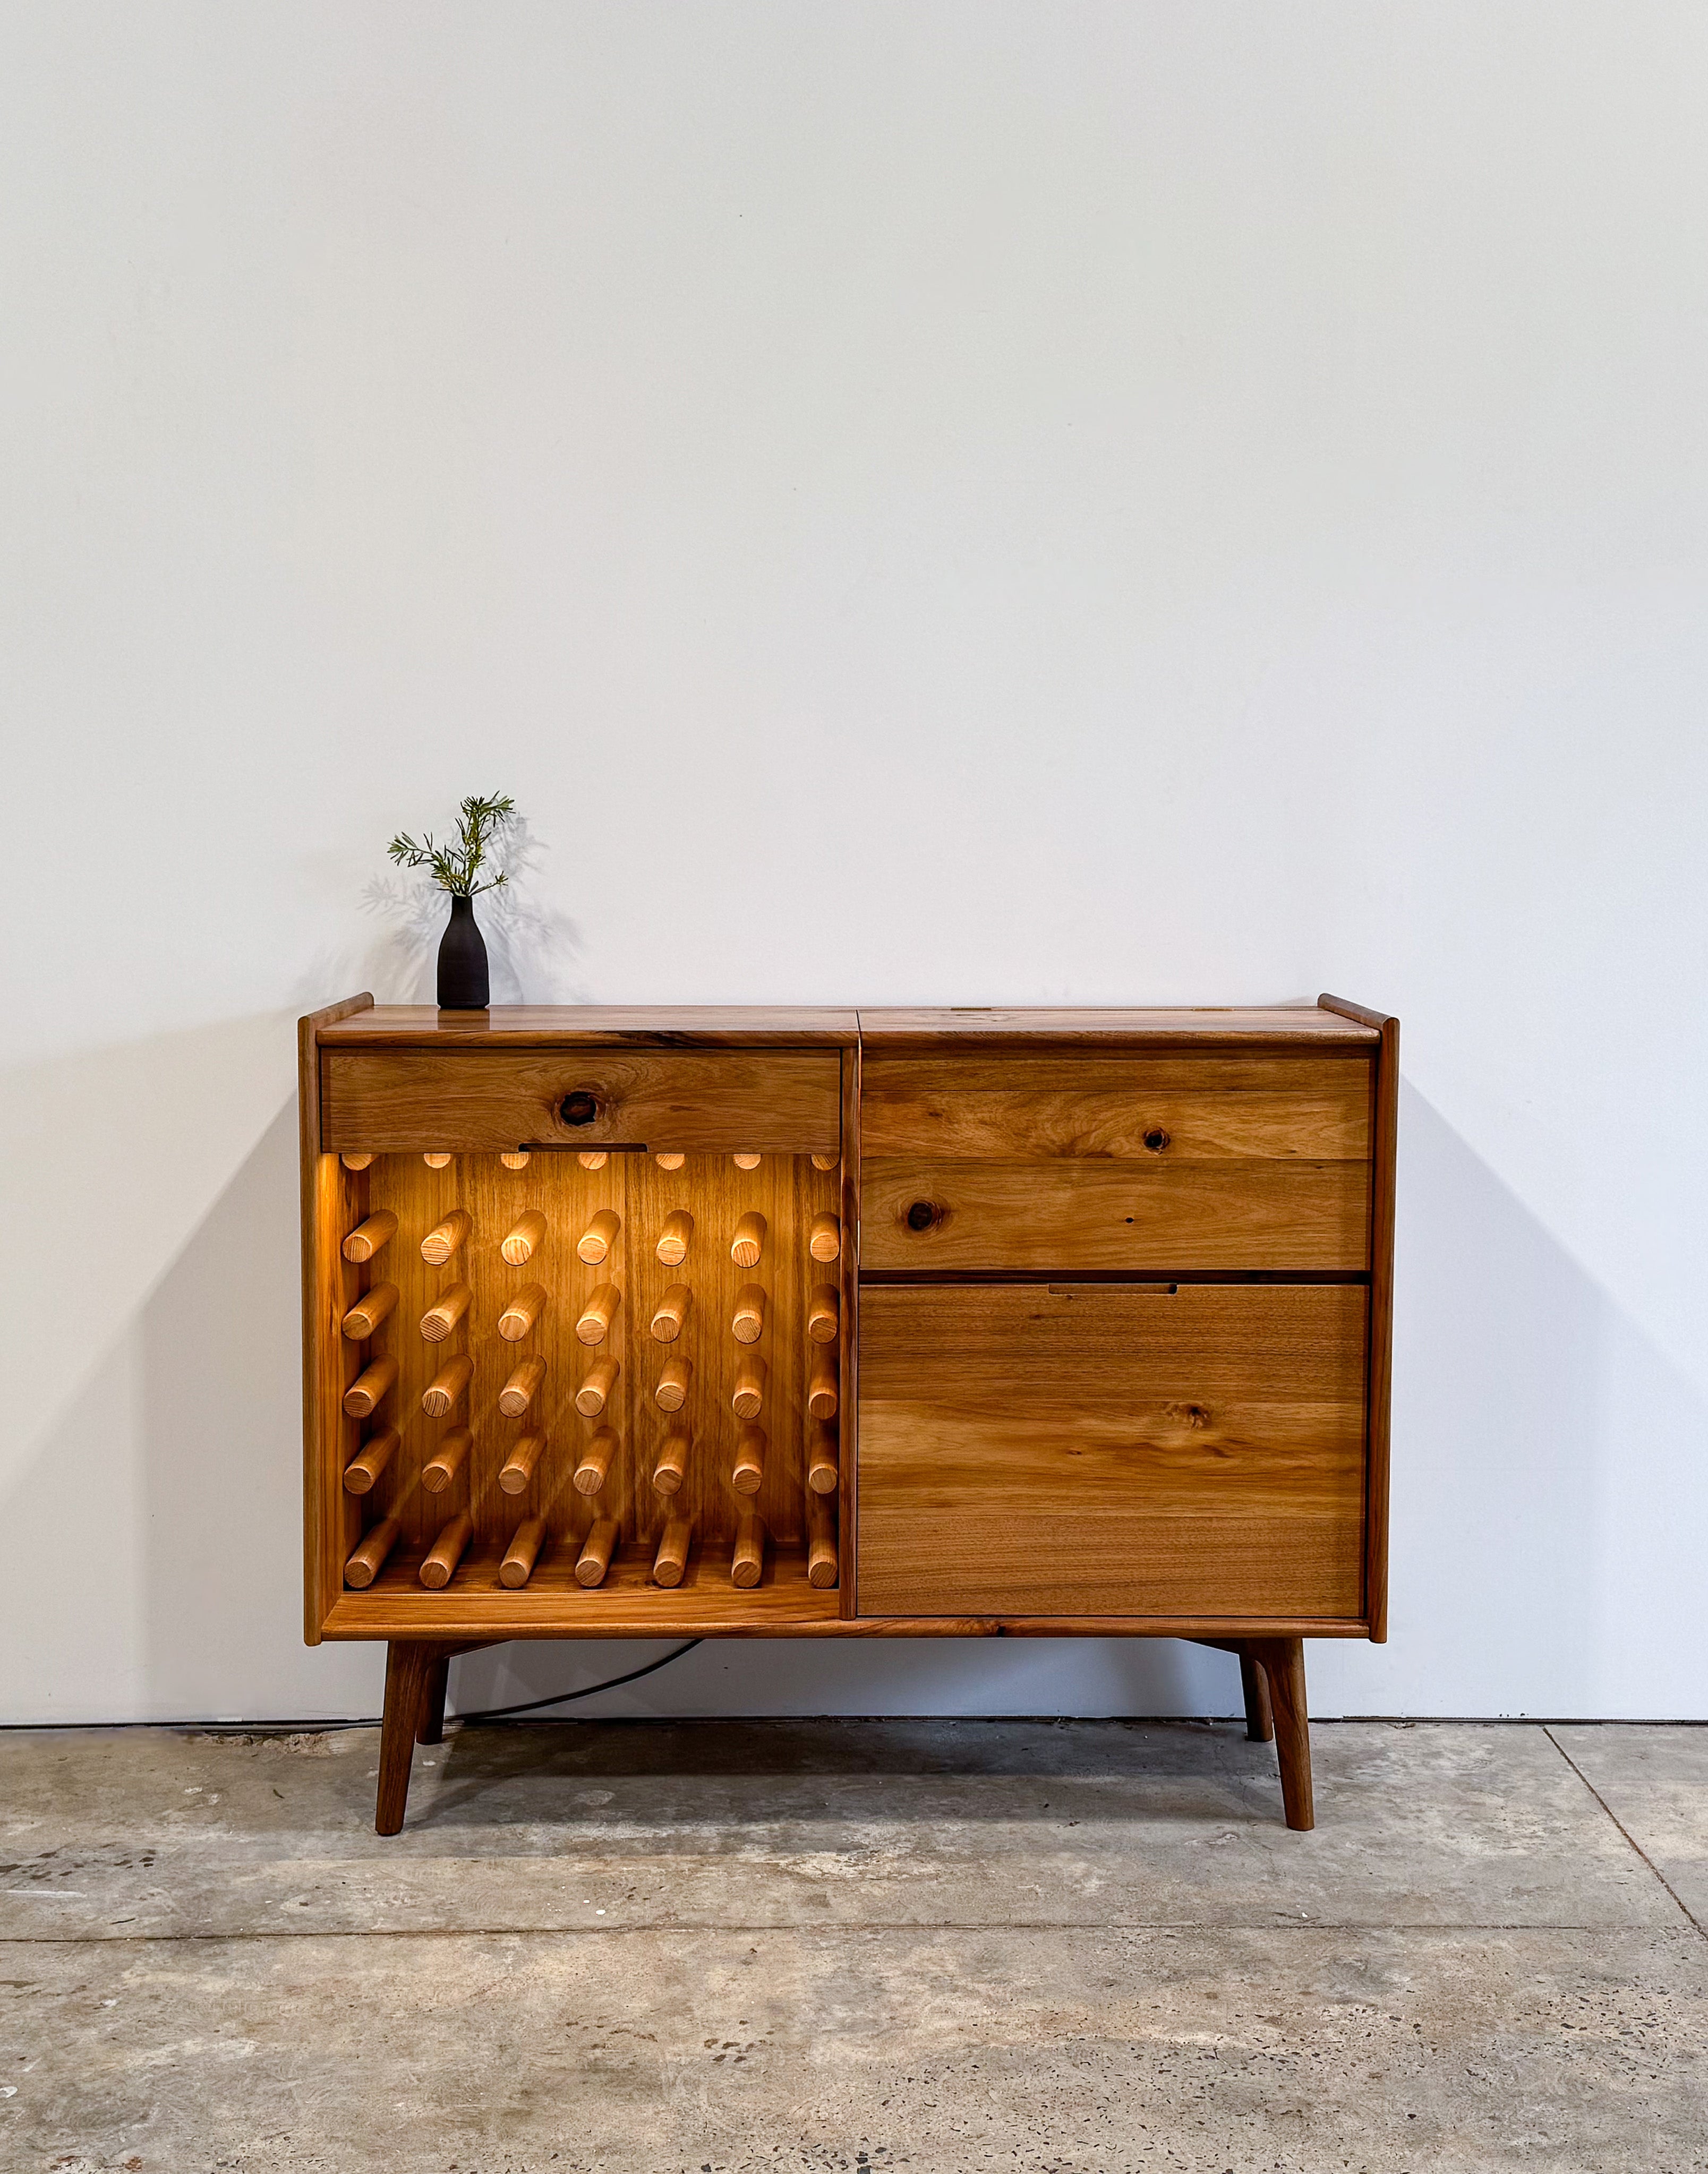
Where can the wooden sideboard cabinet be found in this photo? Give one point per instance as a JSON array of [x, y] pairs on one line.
[[791, 1323]]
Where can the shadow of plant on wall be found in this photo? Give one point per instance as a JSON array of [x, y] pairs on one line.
[[533, 946]]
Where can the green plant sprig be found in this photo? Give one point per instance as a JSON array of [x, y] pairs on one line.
[[457, 864]]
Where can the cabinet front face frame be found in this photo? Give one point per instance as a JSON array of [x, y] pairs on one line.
[[1031, 1459]]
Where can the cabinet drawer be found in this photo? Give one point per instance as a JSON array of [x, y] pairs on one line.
[[1111, 1162], [687, 1101], [1112, 1451]]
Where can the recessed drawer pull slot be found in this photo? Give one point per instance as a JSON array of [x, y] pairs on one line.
[[1113, 1290]]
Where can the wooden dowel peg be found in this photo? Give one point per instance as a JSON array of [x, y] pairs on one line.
[[824, 1466], [368, 1311], [672, 1393], [825, 1162], [368, 1558], [355, 1161], [518, 1469], [748, 1471], [517, 1162], [675, 1238], [436, 1161], [823, 1391], [747, 1323], [747, 1162], [525, 1238], [748, 1399], [671, 1561], [595, 1391], [824, 1313], [442, 1240], [596, 1315], [444, 1391], [370, 1386], [367, 1238], [522, 1553], [670, 1161], [370, 1461], [748, 1566], [824, 1241], [444, 1314], [519, 1391], [670, 1468], [596, 1241], [672, 1313], [821, 1544], [523, 1310], [596, 1551], [446, 1461], [594, 1462], [593, 1158], [447, 1550], [749, 1239]]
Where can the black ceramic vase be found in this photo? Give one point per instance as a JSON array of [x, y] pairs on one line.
[[464, 983]]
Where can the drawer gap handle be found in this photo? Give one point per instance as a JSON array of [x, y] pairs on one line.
[[558, 1147], [1104, 1291]]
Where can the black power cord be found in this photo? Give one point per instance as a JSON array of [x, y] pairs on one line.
[[564, 1698]]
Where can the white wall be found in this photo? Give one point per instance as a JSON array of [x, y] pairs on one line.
[[1020, 502]]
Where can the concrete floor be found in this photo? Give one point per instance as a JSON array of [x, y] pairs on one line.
[[1075, 1948]]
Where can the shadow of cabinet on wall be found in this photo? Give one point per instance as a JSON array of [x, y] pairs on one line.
[[820, 1323]]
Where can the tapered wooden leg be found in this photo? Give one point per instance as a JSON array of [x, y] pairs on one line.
[[1260, 1721], [1282, 1661], [408, 1668], [430, 1728]]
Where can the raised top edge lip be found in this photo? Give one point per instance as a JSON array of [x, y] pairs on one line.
[[518, 1025], [735, 1026], [1235, 1024]]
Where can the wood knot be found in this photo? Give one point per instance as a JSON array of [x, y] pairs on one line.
[[1190, 1415], [921, 1215], [580, 1108], [1156, 1139]]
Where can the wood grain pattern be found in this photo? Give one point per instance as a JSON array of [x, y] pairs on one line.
[[1384, 1161], [747, 1247], [440, 1319], [518, 1469], [447, 1460], [670, 1559], [748, 1563], [942, 1217], [598, 1382], [522, 1553], [525, 1233], [368, 1558], [370, 1236], [600, 1234], [370, 1310], [748, 1473], [596, 1551], [593, 1466], [821, 1545], [587, 1026], [684, 1100], [366, 1466], [368, 1392], [333, 1203], [1095, 1452], [447, 1550], [1186, 1108], [447, 1235], [1277, 1026]]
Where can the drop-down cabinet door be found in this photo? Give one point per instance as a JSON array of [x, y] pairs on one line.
[[1186, 1451]]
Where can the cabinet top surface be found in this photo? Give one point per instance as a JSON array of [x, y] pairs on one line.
[[735, 1026]]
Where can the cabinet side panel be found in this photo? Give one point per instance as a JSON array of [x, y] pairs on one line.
[[332, 1201]]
